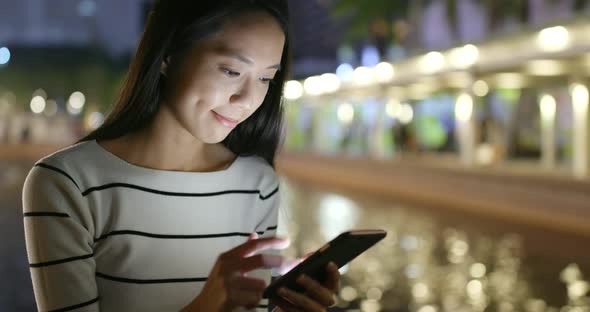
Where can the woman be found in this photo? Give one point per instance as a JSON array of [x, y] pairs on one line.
[[160, 208]]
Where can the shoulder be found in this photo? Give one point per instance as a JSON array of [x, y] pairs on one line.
[[255, 166], [52, 188], [73, 154], [64, 167]]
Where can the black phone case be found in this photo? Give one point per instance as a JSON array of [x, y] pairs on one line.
[[340, 250]]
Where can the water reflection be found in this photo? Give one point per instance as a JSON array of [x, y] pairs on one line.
[[425, 265]]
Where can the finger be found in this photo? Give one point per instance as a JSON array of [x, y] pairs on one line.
[[260, 261], [301, 301], [333, 279], [322, 295], [283, 305], [253, 246], [253, 236], [244, 298], [288, 265], [247, 283]]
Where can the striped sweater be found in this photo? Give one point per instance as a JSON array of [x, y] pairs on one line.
[[105, 235]]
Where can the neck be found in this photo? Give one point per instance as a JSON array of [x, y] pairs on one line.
[[166, 145]]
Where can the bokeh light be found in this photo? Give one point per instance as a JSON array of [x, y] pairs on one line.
[[4, 55]]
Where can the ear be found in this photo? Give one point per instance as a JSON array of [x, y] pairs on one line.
[[165, 65]]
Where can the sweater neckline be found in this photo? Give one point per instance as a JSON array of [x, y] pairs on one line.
[[127, 164]]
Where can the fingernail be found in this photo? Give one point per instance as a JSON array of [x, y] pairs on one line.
[[333, 265], [282, 291], [285, 242], [302, 278]]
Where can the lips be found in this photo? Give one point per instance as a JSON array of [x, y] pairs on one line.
[[226, 121]]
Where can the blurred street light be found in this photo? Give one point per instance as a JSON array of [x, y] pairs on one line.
[[76, 103], [553, 39], [393, 108], [4, 55], [348, 293], [37, 104], [345, 113], [432, 62], [345, 72], [384, 72], [95, 120], [464, 107], [580, 127], [478, 270], [363, 76], [580, 99], [406, 114], [330, 83], [293, 90], [480, 88], [465, 56], [313, 85], [548, 107]]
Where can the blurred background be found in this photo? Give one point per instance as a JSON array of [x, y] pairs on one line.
[[459, 126]]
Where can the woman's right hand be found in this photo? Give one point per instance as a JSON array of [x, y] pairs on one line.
[[228, 286]]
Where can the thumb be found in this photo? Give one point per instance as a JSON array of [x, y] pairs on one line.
[[253, 236]]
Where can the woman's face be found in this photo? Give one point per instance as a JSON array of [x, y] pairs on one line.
[[222, 80]]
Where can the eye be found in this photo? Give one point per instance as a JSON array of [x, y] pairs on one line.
[[230, 73], [266, 80]]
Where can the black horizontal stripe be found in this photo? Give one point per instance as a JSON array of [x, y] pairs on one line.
[[173, 236], [270, 228], [46, 166], [262, 306], [152, 281], [165, 236], [77, 306], [269, 195], [60, 261], [46, 214], [150, 190], [177, 194]]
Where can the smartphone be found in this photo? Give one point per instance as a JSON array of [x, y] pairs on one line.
[[340, 250]]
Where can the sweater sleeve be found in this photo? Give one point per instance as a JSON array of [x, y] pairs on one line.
[[270, 200], [269, 203], [59, 239]]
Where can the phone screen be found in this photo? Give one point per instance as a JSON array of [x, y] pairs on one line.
[[340, 250]]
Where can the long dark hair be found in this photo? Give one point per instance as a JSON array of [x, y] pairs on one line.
[[172, 27]]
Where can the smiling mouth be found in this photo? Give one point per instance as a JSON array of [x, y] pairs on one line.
[[227, 122]]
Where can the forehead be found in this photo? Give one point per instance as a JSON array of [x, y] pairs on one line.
[[256, 31], [255, 36], [254, 22]]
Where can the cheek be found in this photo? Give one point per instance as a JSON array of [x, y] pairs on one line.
[[212, 95], [201, 88], [261, 96], [257, 107]]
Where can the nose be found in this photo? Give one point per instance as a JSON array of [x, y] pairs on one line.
[[243, 98]]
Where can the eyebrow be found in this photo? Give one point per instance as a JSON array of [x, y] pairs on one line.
[[236, 55]]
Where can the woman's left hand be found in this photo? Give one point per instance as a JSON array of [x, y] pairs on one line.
[[317, 296]]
